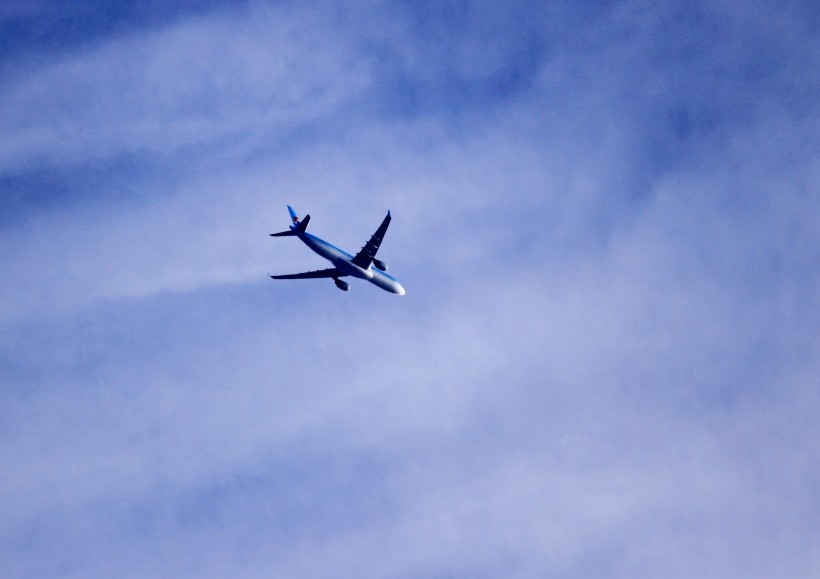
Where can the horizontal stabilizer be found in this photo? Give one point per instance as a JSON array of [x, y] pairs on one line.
[[296, 229], [302, 225]]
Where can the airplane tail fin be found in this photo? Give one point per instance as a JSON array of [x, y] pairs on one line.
[[293, 218], [299, 226]]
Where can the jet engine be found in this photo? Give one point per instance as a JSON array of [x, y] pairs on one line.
[[380, 264], [342, 285]]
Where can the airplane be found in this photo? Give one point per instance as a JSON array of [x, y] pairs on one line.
[[344, 264]]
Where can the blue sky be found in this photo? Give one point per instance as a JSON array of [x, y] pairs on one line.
[[606, 220]]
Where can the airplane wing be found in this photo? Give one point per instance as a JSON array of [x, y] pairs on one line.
[[365, 257], [332, 272]]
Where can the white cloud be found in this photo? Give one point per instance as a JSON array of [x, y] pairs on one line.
[[201, 81]]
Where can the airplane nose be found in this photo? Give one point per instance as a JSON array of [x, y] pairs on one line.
[[399, 289]]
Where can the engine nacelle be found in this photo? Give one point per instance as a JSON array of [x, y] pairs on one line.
[[342, 285], [380, 264]]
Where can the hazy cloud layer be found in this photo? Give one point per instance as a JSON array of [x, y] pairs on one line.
[[606, 221]]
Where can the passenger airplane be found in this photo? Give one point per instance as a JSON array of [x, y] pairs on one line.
[[344, 264]]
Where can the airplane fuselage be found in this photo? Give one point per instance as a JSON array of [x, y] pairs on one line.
[[343, 261]]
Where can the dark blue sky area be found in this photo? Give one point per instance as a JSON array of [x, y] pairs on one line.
[[29, 28]]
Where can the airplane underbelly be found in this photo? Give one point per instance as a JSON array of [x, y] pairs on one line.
[[352, 269], [329, 253], [387, 283]]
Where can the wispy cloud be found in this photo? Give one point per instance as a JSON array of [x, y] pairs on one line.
[[211, 79]]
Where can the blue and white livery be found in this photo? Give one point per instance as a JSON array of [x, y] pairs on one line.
[[363, 265]]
